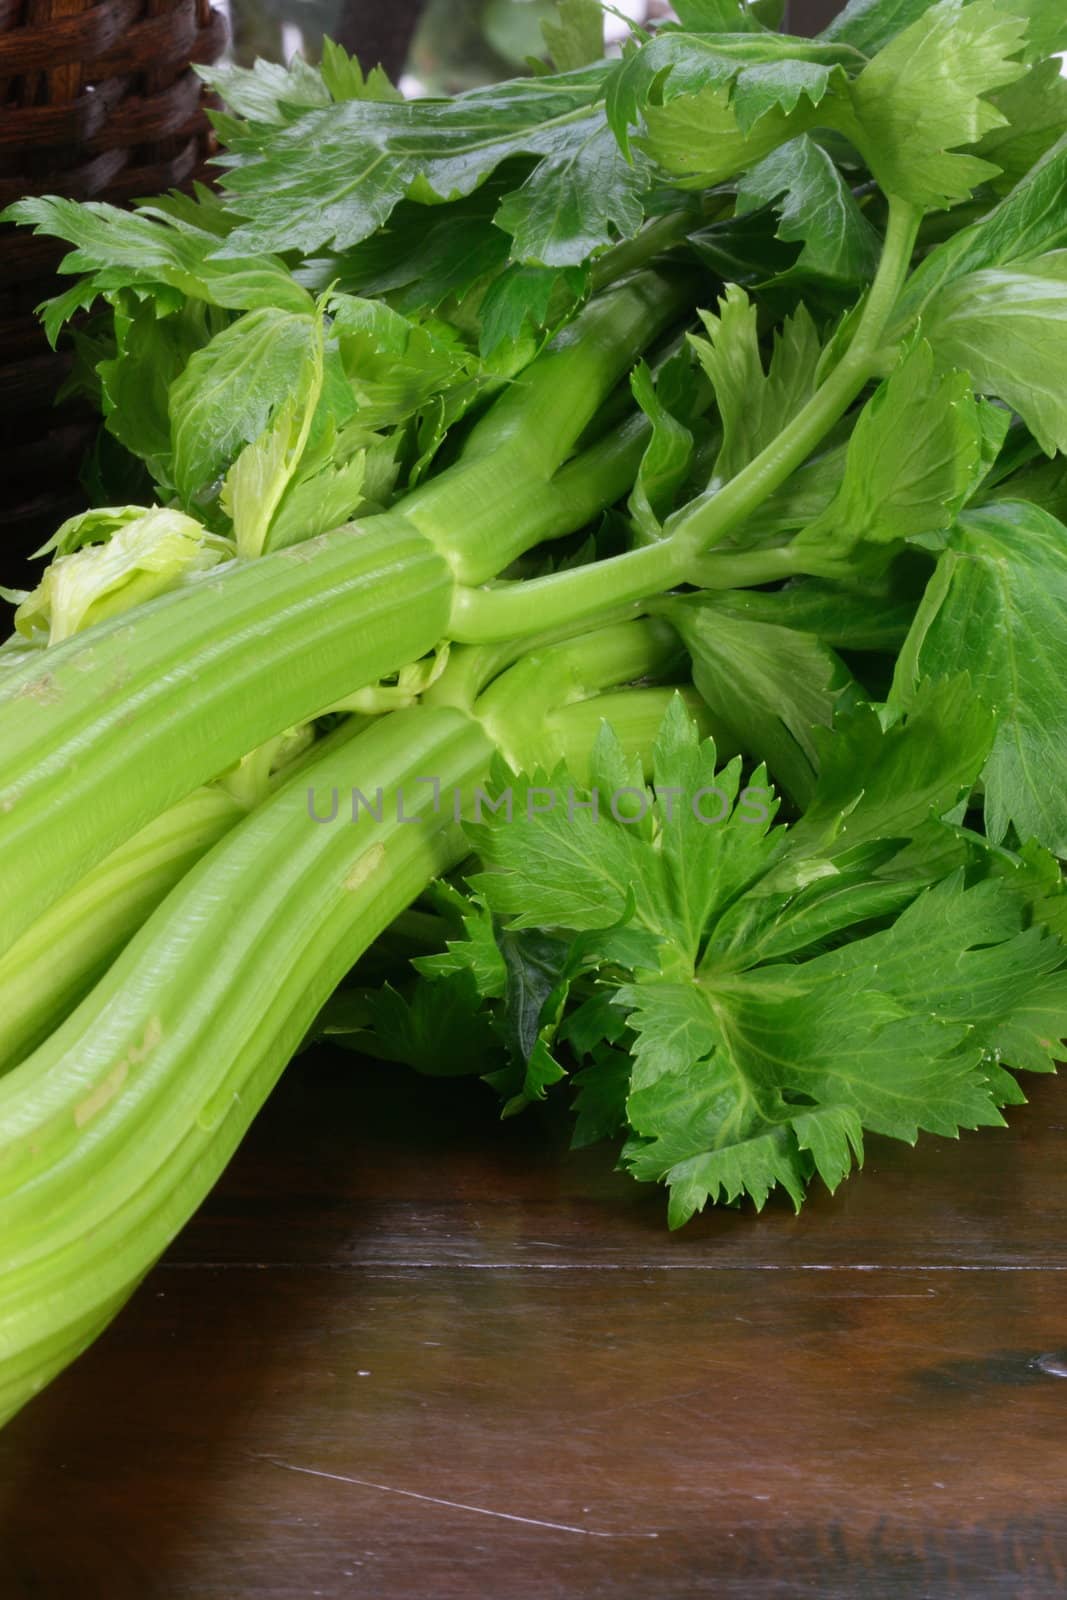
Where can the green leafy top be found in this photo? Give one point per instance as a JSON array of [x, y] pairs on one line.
[[338, 172], [754, 405], [714, 105], [996, 604], [272, 93], [923, 96], [749, 999], [168, 255]]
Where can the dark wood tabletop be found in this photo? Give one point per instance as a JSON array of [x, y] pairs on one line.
[[406, 1352]]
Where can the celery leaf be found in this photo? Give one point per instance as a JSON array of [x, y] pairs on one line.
[[996, 606], [336, 174], [754, 404], [921, 98], [1008, 327]]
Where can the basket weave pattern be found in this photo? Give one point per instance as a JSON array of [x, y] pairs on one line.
[[98, 101]]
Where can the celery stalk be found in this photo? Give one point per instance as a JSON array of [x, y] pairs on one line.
[[60, 956], [113, 1131]]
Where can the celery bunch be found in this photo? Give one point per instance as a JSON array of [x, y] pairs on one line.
[[635, 488]]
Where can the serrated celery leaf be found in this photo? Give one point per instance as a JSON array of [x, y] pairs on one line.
[[921, 98], [555, 869], [1046, 25], [978, 959], [681, 1116], [768, 684], [997, 608], [268, 91], [596, 1021], [849, 1041], [563, 866], [735, 1079], [916, 452], [320, 500], [703, 864], [808, 986], [227, 392], [778, 86], [817, 210], [346, 80], [697, 139], [337, 173], [394, 365], [521, 301], [151, 352], [254, 486], [759, 73], [428, 254], [789, 912], [880, 782], [478, 953], [897, 1032], [754, 405], [909, 110], [252, 489], [121, 248], [1031, 1036], [600, 1097], [1008, 327], [1028, 222], [577, 201], [1036, 112], [440, 1029]]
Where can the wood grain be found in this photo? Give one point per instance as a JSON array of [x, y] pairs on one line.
[[406, 1353]]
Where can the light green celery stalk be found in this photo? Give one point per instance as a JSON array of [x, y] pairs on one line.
[[102, 733], [60, 956], [109, 560], [113, 1131]]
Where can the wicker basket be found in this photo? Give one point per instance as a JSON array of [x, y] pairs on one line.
[[98, 101]]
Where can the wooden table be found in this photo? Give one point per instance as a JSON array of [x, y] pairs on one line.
[[406, 1353]]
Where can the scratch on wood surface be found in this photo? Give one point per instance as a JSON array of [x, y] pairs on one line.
[[397, 1263], [453, 1505]]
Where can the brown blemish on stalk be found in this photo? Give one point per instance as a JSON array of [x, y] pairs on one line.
[[109, 1086], [120, 676], [361, 870], [45, 690], [306, 551]]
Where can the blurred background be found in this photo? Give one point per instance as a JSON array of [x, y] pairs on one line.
[[437, 46]]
